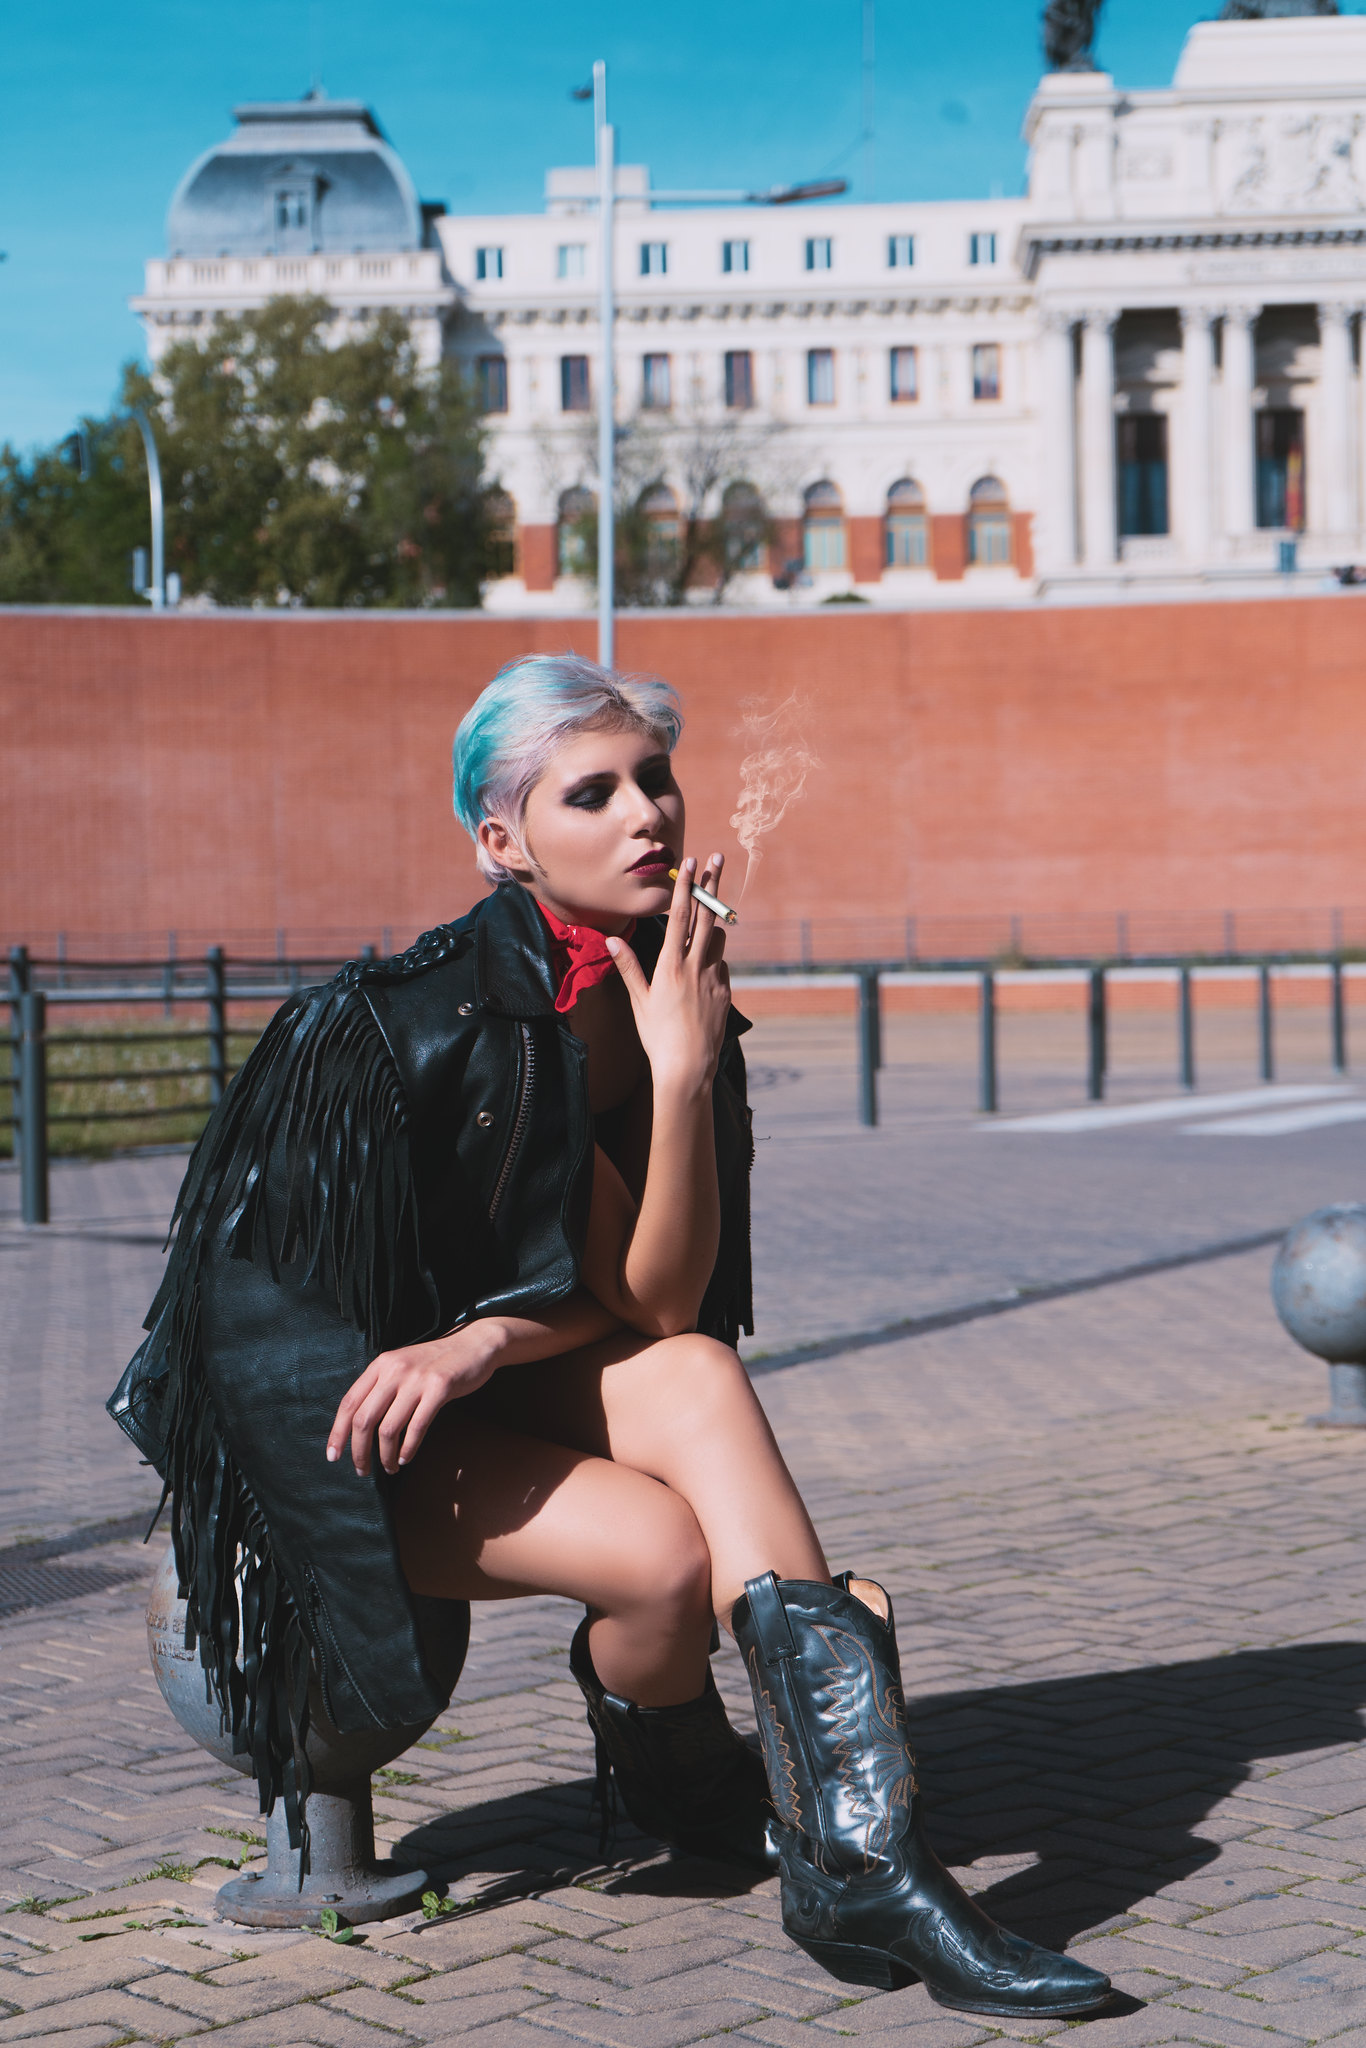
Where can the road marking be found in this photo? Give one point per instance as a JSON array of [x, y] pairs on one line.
[[1170, 1109], [1280, 1123]]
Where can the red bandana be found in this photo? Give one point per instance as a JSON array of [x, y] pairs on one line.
[[581, 955]]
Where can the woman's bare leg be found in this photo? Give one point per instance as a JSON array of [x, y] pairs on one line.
[[682, 1411], [485, 1513]]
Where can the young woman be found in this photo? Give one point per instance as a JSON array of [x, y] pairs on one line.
[[476, 1220]]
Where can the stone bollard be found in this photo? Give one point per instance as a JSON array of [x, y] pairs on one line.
[[343, 1874], [1318, 1284]]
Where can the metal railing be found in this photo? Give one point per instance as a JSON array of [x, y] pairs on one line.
[[218, 983]]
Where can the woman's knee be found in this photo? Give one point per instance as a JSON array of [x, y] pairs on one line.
[[704, 1376], [671, 1565]]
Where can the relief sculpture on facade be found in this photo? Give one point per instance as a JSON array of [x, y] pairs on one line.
[[1292, 163]]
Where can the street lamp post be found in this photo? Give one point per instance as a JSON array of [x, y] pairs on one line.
[[604, 138]]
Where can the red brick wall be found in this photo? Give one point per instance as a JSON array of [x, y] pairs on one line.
[[537, 548], [246, 772], [865, 550], [949, 545]]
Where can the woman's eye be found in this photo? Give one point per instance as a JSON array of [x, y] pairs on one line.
[[658, 783], [594, 798]]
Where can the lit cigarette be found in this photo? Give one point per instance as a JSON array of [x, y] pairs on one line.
[[707, 900]]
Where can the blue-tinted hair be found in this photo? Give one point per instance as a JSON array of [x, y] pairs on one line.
[[505, 741]]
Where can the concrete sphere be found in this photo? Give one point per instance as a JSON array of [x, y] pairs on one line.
[[1318, 1283], [338, 1761]]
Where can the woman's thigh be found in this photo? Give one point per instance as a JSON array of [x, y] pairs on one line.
[[487, 1513], [682, 1411]]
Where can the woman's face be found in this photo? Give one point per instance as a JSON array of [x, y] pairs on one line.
[[603, 826]]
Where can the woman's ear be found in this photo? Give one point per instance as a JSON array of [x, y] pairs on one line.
[[499, 842]]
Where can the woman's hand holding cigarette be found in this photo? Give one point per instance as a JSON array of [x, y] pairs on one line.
[[681, 1014]]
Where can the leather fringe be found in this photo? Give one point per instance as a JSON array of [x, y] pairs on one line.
[[304, 1165]]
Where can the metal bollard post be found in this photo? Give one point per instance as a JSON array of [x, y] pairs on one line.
[[33, 1176], [869, 1042], [20, 981], [987, 1099], [1339, 1019], [218, 1022], [1266, 1049], [1097, 1051], [1187, 1016]]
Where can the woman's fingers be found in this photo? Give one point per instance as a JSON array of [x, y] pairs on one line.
[[397, 1416], [350, 1401], [629, 968], [680, 909], [421, 1420]]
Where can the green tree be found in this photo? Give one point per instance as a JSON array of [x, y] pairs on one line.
[[297, 470]]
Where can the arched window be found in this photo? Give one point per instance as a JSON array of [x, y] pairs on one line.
[[576, 532], [823, 528], [744, 528], [663, 527], [502, 534], [907, 528], [989, 533]]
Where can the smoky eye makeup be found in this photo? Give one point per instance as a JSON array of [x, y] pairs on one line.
[[591, 795]]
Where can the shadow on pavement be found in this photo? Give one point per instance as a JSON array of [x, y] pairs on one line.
[[1106, 1779]]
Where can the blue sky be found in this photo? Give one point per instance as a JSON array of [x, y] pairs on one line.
[[106, 105]]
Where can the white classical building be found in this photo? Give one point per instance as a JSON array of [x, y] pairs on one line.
[[1144, 376]]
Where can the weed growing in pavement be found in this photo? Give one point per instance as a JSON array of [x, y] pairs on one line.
[[253, 1841], [397, 1777], [31, 1903]]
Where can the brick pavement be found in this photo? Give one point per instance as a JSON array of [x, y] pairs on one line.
[[1130, 1588]]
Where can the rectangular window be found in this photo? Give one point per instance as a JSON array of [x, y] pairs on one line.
[[574, 396], [981, 248], [1142, 451], [493, 383], [654, 259], [904, 388], [739, 379], [1280, 468], [735, 256], [986, 370], [571, 259], [488, 263], [820, 253], [654, 388], [900, 252], [820, 376]]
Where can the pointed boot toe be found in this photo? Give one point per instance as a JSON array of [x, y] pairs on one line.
[[863, 1892]]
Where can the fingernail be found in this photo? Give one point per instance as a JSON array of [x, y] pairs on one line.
[[404, 1459], [332, 1454], [612, 945], [691, 865]]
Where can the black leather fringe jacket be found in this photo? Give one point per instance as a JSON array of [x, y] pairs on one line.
[[408, 1147]]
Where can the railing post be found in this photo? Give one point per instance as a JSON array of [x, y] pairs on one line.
[[1339, 1018], [986, 1037], [20, 981], [1187, 1014], [33, 1175], [217, 998], [1266, 1049], [1097, 1051], [869, 1042]]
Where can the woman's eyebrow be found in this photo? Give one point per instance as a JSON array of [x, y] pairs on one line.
[[587, 781]]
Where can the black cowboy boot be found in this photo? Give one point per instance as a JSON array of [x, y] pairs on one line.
[[684, 1774], [863, 1892]]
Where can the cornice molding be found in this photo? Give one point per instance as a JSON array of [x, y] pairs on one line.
[[1113, 239]]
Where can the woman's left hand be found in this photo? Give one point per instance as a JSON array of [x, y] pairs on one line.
[[400, 1393]]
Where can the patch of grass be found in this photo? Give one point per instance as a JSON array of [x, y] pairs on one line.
[[167, 1869], [153, 1072], [31, 1903], [253, 1841], [396, 1778]]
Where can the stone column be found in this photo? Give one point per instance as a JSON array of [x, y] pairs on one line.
[[1058, 455], [1098, 439], [1193, 518], [1334, 452], [1240, 508]]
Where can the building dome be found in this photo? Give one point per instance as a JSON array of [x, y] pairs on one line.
[[298, 176]]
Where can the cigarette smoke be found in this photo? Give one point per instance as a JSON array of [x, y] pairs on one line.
[[772, 775]]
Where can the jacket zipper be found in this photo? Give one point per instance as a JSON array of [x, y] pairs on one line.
[[522, 1118]]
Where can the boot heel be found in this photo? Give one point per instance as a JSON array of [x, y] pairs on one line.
[[855, 1965]]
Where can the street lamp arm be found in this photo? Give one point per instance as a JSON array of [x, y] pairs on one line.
[[776, 195], [158, 517]]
